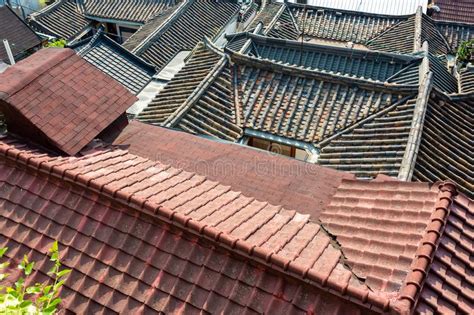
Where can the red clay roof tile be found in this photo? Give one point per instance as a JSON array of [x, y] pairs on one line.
[[57, 98]]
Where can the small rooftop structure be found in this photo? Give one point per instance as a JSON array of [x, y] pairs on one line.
[[60, 100], [22, 39]]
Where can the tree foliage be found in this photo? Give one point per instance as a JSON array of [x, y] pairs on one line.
[[59, 43], [37, 299], [465, 51]]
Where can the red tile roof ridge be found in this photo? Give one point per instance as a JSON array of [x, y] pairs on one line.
[[24, 72], [57, 167], [428, 246]]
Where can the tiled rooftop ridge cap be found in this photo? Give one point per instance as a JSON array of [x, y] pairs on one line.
[[292, 70], [421, 265], [36, 161], [24, 72]]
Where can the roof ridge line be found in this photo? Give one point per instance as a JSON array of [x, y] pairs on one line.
[[164, 26], [313, 74], [421, 264], [278, 263], [46, 9], [275, 19]]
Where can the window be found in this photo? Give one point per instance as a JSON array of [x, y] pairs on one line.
[[278, 148]]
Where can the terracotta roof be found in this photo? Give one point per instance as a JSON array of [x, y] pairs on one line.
[[454, 10], [162, 239], [63, 19], [60, 100], [111, 58], [265, 176], [188, 25], [20, 36], [188, 230], [125, 10]]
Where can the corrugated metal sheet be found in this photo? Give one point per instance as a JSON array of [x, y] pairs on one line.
[[398, 7]]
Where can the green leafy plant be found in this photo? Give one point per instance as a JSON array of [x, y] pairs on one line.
[[38, 299], [465, 51], [59, 43]]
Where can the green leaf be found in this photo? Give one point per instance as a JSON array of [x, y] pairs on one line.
[[52, 306], [58, 285], [63, 273], [25, 304], [3, 276], [3, 251], [4, 265], [29, 268], [47, 288], [54, 247], [33, 290], [54, 256]]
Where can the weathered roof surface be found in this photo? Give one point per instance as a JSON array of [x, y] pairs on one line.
[[182, 86], [164, 239], [305, 105], [111, 58], [59, 98], [62, 19], [403, 38], [455, 10], [262, 175], [347, 26], [283, 26], [194, 21], [399, 7], [267, 13], [376, 146], [142, 236], [467, 79], [125, 10], [455, 33], [20, 37], [447, 144], [348, 62], [147, 29]]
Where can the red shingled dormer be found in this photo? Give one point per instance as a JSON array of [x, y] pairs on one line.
[[57, 99]]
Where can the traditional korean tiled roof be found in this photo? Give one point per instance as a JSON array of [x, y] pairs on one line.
[[151, 25], [271, 177], [377, 146], [125, 10], [167, 240], [399, 7], [348, 62], [114, 60], [60, 99], [467, 79], [283, 25], [142, 236], [182, 86], [446, 146], [407, 37], [339, 25], [266, 15], [189, 25], [454, 10], [63, 19], [456, 33], [19, 35]]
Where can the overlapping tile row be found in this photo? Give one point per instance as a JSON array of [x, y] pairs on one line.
[[456, 11], [203, 18], [125, 10], [147, 29], [284, 26], [467, 79], [376, 146], [126, 258], [379, 225], [304, 108], [267, 13], [62, 19], [448, 287], [271, 177], [214, 113], [20, 37], [442, 78], [409, 75], [60, 100], [356, 63], [446, 146], [455, 33], [183, 84], [346, 26], [114, 60]]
